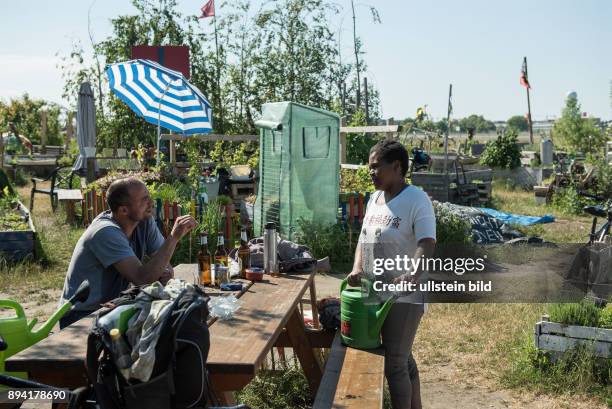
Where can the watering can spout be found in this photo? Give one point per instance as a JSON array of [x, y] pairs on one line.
[[80, 295], [382, 313]]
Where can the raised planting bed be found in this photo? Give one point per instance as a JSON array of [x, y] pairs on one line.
[[17, 233], [558, 338]]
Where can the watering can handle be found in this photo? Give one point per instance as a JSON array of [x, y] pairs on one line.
[[365, 281], [14, 305]]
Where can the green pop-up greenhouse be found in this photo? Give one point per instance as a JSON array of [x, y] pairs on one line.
[[298, 167]]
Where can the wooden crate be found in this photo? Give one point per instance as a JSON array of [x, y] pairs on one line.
[[558, 338], [434, 184], [17, 245]]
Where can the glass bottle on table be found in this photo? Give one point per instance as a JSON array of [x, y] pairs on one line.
[[221, 253], [244, 253], [204, 260]]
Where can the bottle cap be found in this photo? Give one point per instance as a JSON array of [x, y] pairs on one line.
[[115, 333], [270, 226]]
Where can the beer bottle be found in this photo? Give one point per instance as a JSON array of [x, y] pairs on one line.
[[204, 260], [220, 253], [244, 254]]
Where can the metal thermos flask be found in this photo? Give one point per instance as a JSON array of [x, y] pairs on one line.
[[270, 250]]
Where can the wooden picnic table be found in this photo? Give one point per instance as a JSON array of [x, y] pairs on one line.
[[269, 314]]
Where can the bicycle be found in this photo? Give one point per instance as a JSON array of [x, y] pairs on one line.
[[589, 273], [599, 235]]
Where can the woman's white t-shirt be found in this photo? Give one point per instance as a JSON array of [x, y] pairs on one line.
[[394, 229]]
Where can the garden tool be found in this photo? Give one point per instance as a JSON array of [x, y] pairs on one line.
[[361, 315], [18, 334]]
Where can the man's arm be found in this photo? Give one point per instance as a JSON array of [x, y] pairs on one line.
[[155, 269]]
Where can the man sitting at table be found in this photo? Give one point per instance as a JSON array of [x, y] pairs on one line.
[[111, 251]]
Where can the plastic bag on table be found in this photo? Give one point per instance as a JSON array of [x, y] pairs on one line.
[[224, 307]]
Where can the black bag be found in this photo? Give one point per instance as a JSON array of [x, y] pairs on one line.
[[179, 378]]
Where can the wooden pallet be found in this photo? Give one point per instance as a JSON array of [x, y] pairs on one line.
[[558, 338]]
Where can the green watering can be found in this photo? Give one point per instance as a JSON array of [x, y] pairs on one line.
[[361, 315], [17, 332]]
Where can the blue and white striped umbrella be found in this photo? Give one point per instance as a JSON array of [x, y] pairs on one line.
[[161, 96]]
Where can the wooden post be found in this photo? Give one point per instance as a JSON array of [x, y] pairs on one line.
[[342, 141], [69, 131], [391, 121], [1, 151], [351, 217], [343, 96], [43, 130], [450, 109], [172, 153], [304, 351], [366, 100]]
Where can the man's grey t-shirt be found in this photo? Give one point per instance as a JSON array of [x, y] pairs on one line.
[[102, 245]]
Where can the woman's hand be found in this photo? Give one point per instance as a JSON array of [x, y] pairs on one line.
[[354, 278]]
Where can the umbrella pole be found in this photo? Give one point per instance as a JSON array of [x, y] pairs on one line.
[[159, 122]]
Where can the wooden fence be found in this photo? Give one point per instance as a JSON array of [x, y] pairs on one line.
[[352, 207]]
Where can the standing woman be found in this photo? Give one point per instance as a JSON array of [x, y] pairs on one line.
[[399, 221]]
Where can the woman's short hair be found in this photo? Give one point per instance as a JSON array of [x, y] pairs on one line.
[[390, 150]]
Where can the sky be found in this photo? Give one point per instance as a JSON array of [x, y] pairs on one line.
[[412, 56]]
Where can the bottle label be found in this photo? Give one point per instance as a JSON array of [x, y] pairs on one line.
[[203, 240]]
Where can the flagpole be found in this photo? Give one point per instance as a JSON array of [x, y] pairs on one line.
[[450, 94], [528, 104], [218, 70]]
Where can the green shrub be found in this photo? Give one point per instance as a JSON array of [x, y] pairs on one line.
[[585, 313], [503, 152], [605, 317], [569, 201], [333, 240], [450, 228], [359, 180], [604, 179]]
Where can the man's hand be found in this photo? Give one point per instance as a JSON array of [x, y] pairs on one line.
[[167, 274], [182, 226], [354, 278]]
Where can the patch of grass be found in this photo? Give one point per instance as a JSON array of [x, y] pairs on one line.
[[277, 390], [567, 228], [575, 373], [55, 243], [585, 313]]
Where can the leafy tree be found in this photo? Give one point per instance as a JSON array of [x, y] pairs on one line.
[[576, 132], [504, 151], [358, 145], [477, 123], [25, 113], [285, 50], [518, 122]]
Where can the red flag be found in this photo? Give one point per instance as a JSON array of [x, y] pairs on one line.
[[524, 80], [208, 10]]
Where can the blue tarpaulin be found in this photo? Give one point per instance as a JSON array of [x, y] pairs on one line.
[[510, 218]]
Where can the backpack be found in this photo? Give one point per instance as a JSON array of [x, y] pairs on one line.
[[179, 378]]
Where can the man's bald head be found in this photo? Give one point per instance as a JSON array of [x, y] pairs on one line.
[[118, 193]]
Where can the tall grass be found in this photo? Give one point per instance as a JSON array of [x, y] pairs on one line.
[[585, 313]]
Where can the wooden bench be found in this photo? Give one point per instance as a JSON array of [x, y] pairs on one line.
[[353, 378], [69, 197]]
